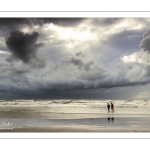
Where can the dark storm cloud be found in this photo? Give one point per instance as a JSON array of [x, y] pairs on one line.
[[79, 53], [80, 89], [121, 83], [61, 21], [14, 23], [80, 61], [82, 74], [23, 46], [10, 24], [145, 43], [76, 61]]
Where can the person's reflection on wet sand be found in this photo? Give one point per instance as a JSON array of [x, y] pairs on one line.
[[112, 119], [108, 119]]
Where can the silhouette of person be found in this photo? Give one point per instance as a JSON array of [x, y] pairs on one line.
[[108, 119], [112, 107], [108, 106]]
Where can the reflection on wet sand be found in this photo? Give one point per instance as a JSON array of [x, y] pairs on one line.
[[112, 119]]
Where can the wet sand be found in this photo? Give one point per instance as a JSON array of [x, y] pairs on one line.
[[71, 129], [79, 116]]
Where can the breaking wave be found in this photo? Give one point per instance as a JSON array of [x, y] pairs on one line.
[[77, 103]]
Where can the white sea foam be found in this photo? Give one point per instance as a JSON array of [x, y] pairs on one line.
[[76, 103]]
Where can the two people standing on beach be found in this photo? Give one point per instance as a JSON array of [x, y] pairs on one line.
[[110, 106]]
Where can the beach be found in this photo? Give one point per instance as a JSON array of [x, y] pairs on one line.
[[74, 116]]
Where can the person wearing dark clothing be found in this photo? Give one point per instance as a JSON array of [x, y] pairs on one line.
[[108, 106], [112, 107]]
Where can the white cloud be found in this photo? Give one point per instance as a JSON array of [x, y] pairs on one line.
[[4, 52]]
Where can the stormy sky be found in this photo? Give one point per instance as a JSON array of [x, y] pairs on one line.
[[74, 58]]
